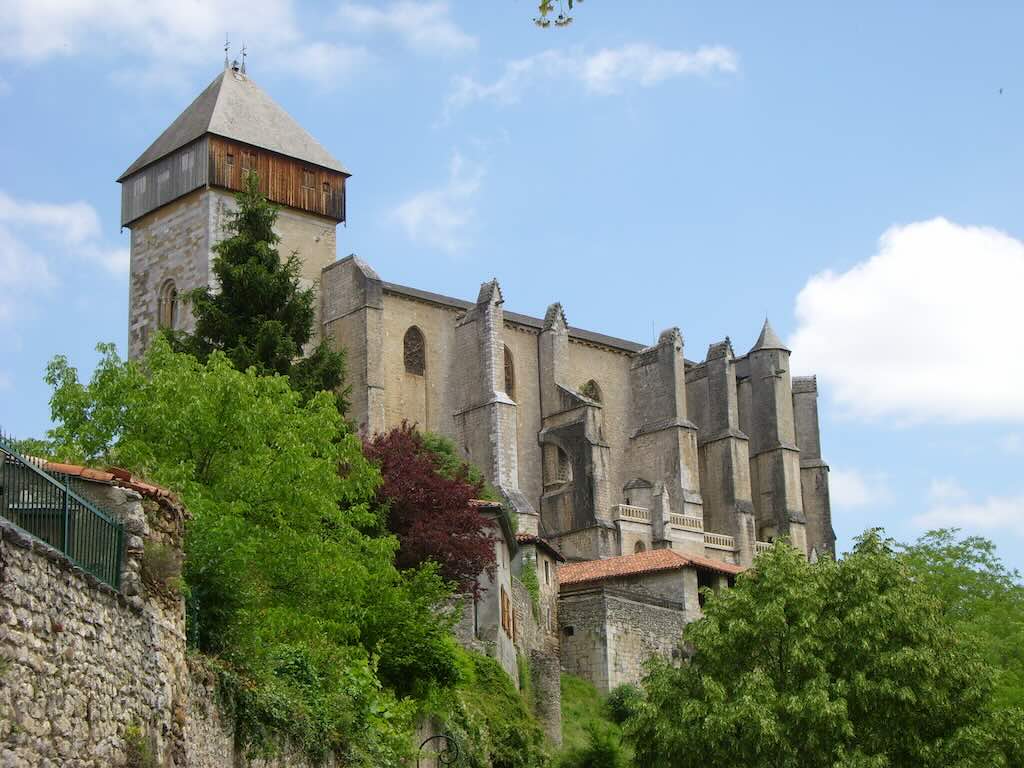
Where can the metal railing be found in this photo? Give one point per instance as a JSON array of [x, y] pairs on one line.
[[48, 509]]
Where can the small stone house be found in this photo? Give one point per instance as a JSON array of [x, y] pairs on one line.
[[616, 613], [491, 610]]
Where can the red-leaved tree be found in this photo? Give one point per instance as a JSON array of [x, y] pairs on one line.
[[429, 510]]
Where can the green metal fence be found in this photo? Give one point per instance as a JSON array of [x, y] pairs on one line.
[[49, 509]]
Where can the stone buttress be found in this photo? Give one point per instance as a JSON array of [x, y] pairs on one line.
[[766, 416], [576, 502], [724, 449], [352, 307], [485, 416], [663, 441], [821, 539]]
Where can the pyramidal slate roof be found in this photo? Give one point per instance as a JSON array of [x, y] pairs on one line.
[[234, 107], [768, 339]]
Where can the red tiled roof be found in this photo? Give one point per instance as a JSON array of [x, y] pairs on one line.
[[485, 504], [653, 561], [113, 476], [529, 538]]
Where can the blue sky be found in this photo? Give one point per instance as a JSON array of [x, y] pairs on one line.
[[853, 173]]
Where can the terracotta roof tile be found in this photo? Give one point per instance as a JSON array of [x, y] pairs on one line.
[[653, 561], [113, 476], [485, 504]]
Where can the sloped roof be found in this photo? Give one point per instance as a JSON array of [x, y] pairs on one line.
[[513, 317], [234, 107], [768, 339], [122, 478], [539, 541], [652, 561]]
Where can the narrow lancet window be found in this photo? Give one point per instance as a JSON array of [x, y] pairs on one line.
[[510, 375]]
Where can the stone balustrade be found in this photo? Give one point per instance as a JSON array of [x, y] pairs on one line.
[[688, 522], [632, 512], [761, 546], [719, 540]]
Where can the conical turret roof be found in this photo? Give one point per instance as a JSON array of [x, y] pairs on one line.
[[768, 339], [234, 107]]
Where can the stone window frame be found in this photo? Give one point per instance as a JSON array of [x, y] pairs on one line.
[[168, 305], [414, 351]]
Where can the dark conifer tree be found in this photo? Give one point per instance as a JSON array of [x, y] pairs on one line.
[[261, 317]]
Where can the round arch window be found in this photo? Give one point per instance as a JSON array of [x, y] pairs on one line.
[[167, 305]]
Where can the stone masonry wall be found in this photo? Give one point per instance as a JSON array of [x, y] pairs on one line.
[[81, 664], [637, 631]]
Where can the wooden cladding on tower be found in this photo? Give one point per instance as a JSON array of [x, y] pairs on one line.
[[282, 179]]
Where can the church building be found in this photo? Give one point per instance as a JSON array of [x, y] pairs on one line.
[[651, 475]]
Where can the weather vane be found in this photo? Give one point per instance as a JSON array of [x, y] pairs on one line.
[[547, 8]]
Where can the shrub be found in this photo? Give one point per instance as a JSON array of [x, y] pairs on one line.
[[161, 566], [602, 750], [137, 750], [489, 718], [622, 702]]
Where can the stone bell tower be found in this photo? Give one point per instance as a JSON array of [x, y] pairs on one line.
[[175, 196]]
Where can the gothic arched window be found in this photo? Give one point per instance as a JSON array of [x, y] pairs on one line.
[[638, 547], [167, 306], [415, 351], [510, 375], [591, 391]]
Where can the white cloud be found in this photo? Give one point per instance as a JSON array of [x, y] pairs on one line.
[[443, 217], [996, 513], [850, 488], [165, 36], [609, 70], [31, 233], [75, 227], [925, 330], [326, 64], [422, 26]]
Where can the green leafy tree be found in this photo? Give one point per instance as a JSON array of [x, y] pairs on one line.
[[981, 596], [260, 316], [845, 664], [313, 631]]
